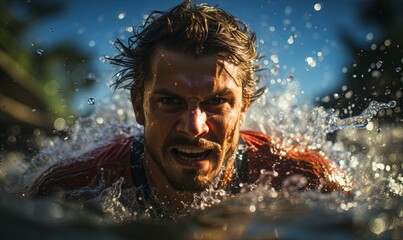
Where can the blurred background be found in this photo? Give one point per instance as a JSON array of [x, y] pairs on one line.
[[53, 67]]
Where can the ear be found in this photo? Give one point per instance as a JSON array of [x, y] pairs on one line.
[[137, 101], [244, 110]]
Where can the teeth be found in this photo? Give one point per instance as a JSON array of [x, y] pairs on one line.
[[190, 154], [191, 159], [192, 151]]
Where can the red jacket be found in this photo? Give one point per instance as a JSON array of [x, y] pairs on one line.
[[105, 165]]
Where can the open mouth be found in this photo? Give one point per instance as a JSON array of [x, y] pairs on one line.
[[190, 155]]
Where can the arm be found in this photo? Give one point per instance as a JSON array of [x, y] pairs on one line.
[[101, 166], [318, 172]]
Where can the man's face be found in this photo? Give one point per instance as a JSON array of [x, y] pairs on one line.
[[192, 110]]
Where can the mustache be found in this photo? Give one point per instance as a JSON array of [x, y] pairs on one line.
[[198, 142]]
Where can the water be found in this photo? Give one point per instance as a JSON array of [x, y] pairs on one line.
[[91, 101], [39, 51], [370, 153], [360, 121]]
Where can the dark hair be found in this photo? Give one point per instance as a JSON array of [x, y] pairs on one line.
[[195, 29]]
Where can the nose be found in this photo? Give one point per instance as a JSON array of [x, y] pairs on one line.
[[194, 123]]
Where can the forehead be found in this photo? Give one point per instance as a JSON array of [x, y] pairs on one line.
[[172, 65]]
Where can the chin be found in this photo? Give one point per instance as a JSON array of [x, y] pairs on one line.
[[193, 187], [192, 182]]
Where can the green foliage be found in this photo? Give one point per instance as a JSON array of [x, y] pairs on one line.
[[38, 84]]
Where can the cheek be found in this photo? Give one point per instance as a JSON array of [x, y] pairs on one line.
[[225, 126], [159, 125], [146, 107], [152, 121]]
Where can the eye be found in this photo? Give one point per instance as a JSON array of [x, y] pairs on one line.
[[170, 104], [170, 100], [215, 101]]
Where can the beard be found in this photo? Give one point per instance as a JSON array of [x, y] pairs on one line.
[[190, 180]]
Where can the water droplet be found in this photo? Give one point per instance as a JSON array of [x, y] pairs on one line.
[[91, 101], [290, 77], [52, 30], [336, 96], [252, 208], [59, 124], [288, 10], [103, 58], [379, 64], [290, 40], [39, 51], [376, 74], [274, 58], [121, 15], [311, 62], [369, 36], [391, 104], [317, 7]]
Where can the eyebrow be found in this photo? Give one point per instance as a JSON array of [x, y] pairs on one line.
[[223, 92], [167, 92]]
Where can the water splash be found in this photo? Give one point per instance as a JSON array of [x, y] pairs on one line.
[[360, 121], [109, 203], [365, 155]]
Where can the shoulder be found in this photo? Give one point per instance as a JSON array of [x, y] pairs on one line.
[[102, 165], [255, 139], [316, 170]]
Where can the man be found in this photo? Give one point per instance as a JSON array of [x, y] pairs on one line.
[[191, 73]]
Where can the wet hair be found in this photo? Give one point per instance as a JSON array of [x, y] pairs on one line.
[[192, 29]]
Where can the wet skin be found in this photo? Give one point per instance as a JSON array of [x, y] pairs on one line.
[[191, 110]]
